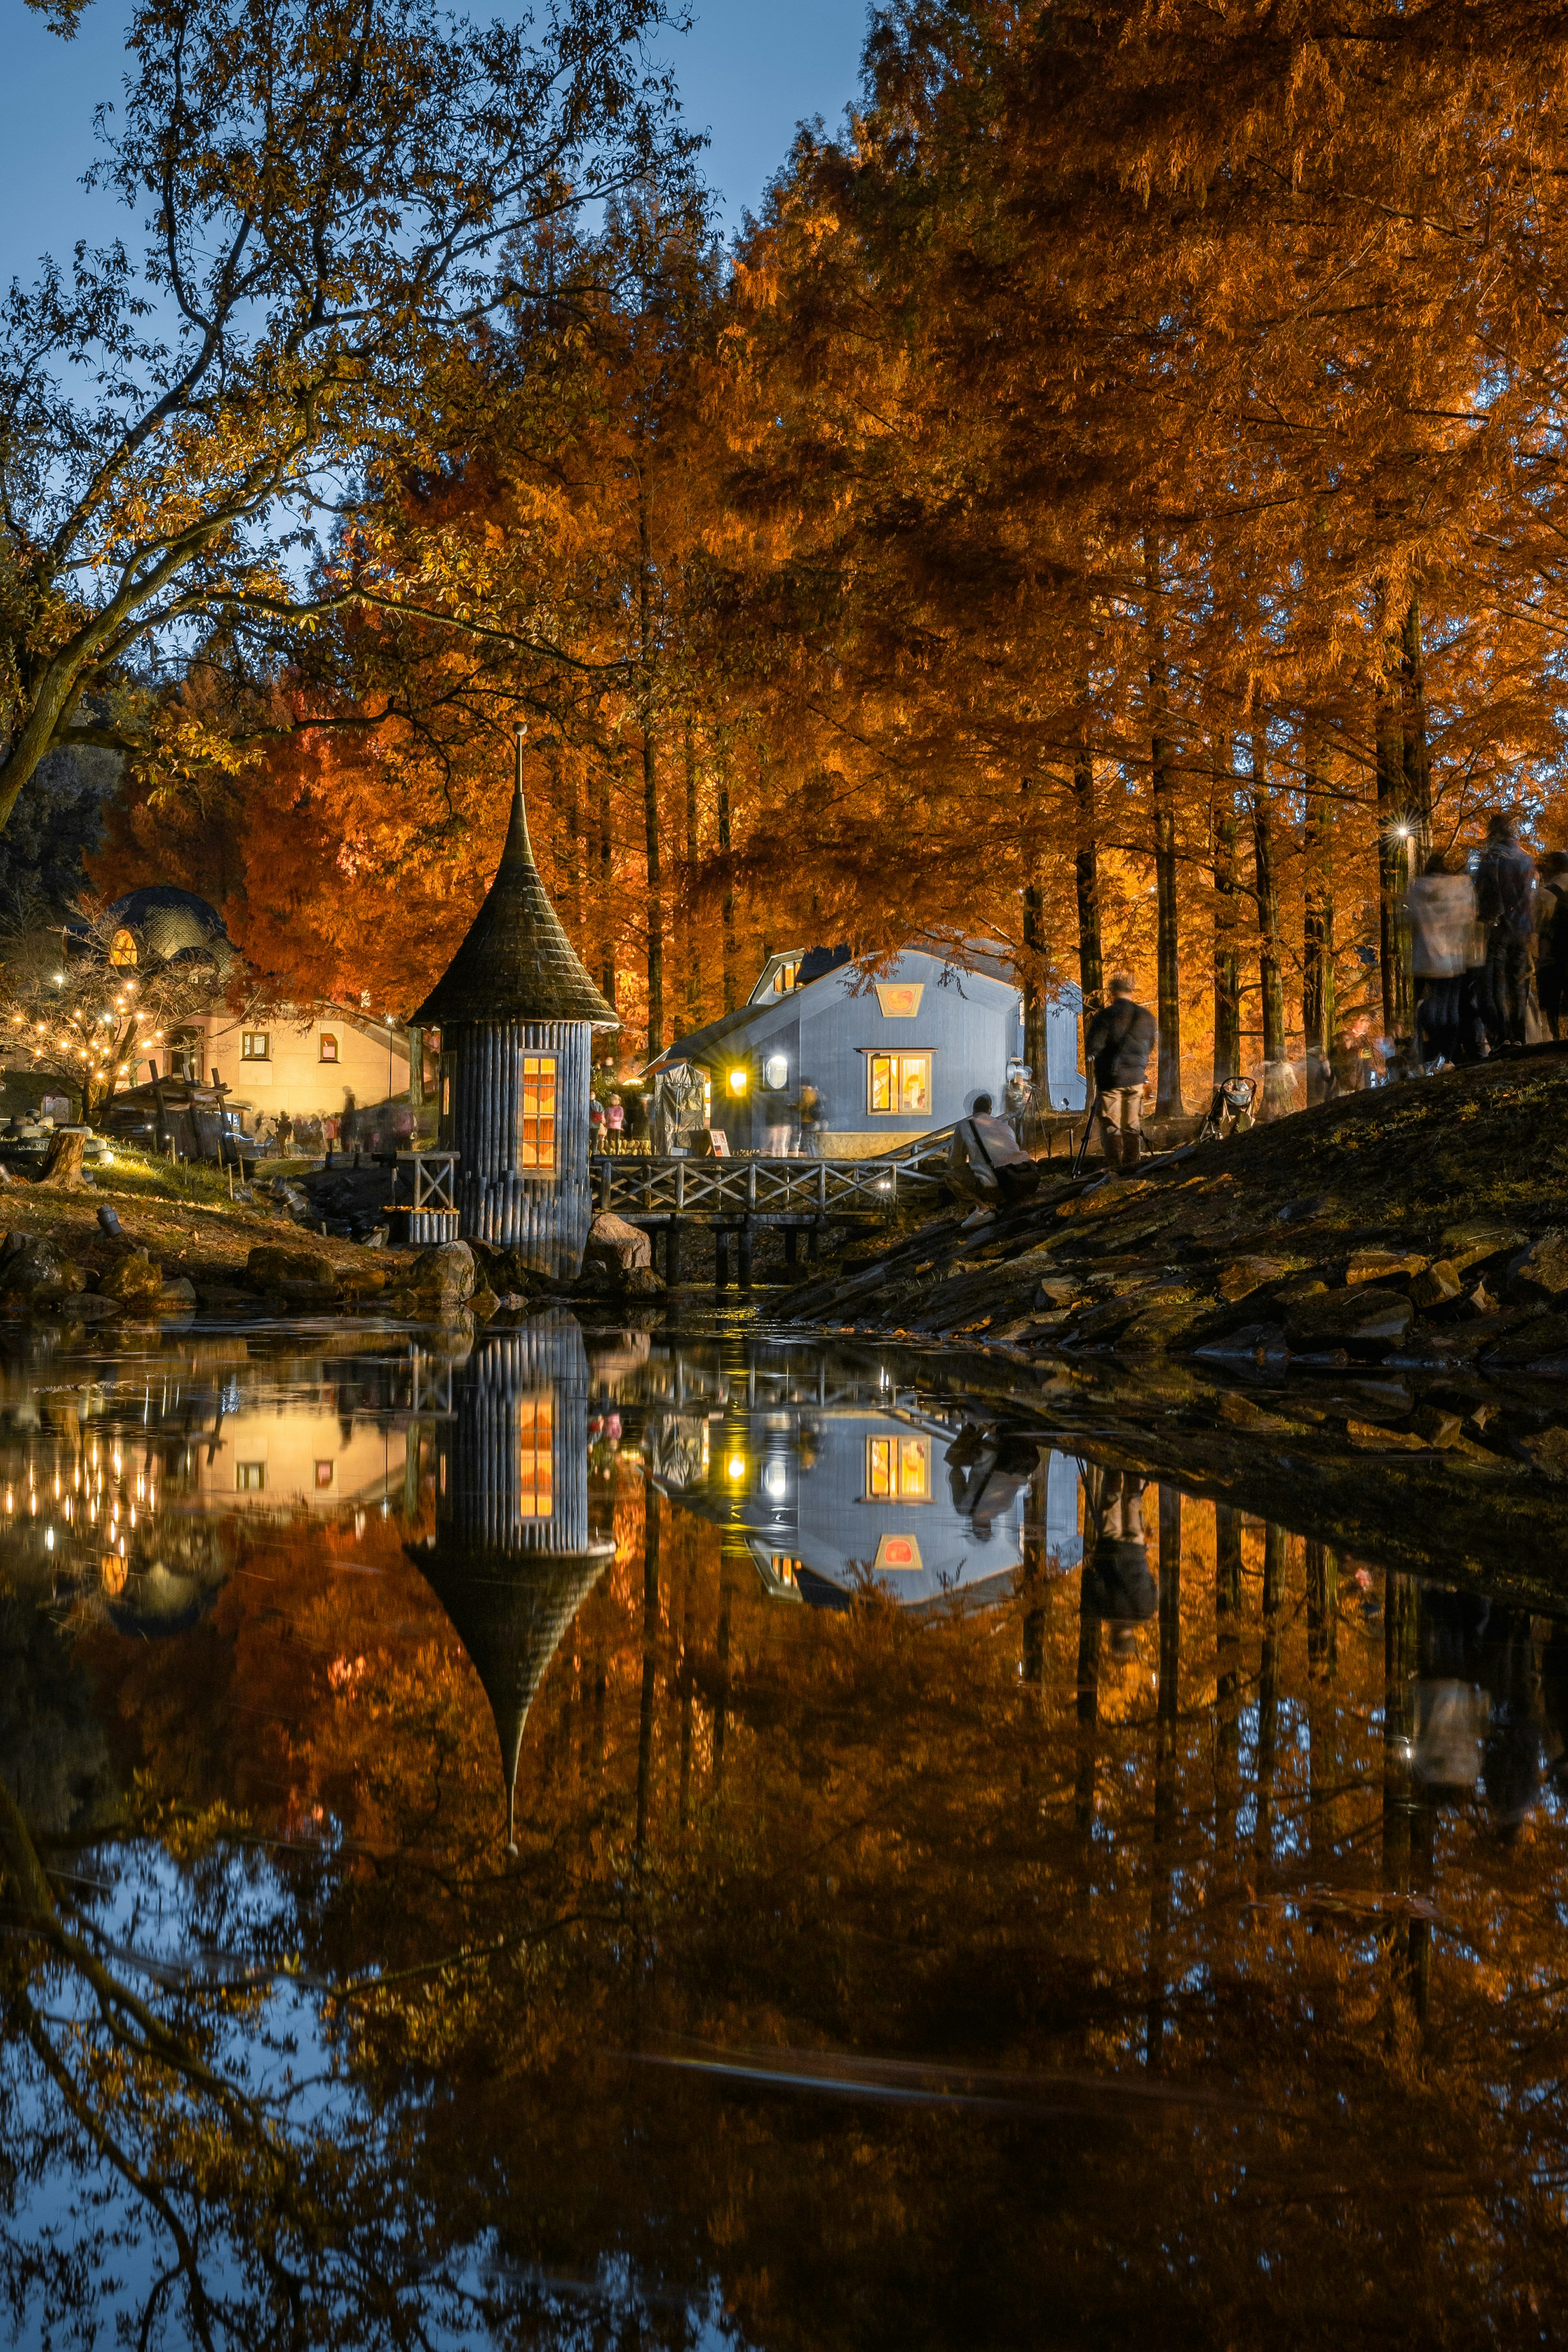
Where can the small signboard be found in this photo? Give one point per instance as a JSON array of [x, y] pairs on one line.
[[711, 1143], [900, 999], [897, 1552]]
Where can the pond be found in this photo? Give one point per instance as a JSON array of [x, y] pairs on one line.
[[610, 1837]]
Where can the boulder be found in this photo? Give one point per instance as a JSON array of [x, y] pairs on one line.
[[445, 1276], [1367, 1316], [1263, 1344], [1548, 1450], [1542, 1270], [1245, 1274], [1436, 1286], [1383, 1265], [179, 1297], [1479, 1238], [302, 1275], [620, 1246], [30, 1265], [133, 1282]]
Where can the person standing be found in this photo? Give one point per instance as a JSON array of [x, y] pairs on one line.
[[1552, 936], [1120, 1039], [615, 1120], [1441, 907], [1505, 900], [811, 1120]]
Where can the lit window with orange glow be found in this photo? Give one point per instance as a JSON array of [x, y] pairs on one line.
[[536, 1136], [122, 948], [535, 1458], [329, 1046]]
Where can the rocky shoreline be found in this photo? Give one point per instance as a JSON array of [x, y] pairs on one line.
[[1421, 1227]]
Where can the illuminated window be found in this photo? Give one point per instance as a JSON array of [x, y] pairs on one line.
[[899, 1082], [786, 976], [329, 1048], [325, 1471], [256, 1045], [775, 1073], [250, 1477], [535, 1458], [536, 1140], [446, 1097], [122, 948], [898, 1469]]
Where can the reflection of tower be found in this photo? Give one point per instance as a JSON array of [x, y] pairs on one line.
[[512, 1560]]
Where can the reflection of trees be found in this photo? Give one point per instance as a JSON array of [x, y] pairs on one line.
[[755, 1828]]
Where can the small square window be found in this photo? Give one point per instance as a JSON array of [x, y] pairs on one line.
[[325, 1472], [329, 1046], [899, 1083], [256, 1045], [250, 1477]]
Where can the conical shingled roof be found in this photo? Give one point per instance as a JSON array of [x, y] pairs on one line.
[[509, 1610], [516, 964]]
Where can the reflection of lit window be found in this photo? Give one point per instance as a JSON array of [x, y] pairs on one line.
[[250, 1477], [898, 1469], [324, 1473], [899, 1082], [329, 1046], [536, 1138], [535, 1458], [775, 1480], [113, 1572], [788, 1572]]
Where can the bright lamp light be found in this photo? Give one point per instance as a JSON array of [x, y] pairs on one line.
[[738, 1081]]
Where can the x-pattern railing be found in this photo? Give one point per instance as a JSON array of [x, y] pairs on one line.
[[655, 1187]]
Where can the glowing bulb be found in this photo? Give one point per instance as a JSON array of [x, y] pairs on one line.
[[735, 1469]]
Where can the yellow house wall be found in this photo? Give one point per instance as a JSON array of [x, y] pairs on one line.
[[305, 1463], [296, 1079]]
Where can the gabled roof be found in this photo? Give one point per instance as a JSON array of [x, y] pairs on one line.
[[517, 962], [777, 1012]]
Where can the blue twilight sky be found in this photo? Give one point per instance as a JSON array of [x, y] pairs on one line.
[[748, 72]]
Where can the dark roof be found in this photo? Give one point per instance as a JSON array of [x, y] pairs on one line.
[[516, 964], [509, 1610], [701, 1041], [171, 922]]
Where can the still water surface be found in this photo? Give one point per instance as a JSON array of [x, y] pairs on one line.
[[603, 1839]]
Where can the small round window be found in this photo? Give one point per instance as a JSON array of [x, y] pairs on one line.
[[775, 1072]]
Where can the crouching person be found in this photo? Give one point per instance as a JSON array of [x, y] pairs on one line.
[[1120, 1039]]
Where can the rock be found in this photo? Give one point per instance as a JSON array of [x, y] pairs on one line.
[[298, 1274], [1541, 1335], [612, 1243], [179, 1297], [1295, 1212], [1310, 1286], [1365, 1317], [483, 1304], [1542, 1270], [377, 1238], [88, 1307], [1437, 1427], [1479, 1238], [1383, 1265], [1245, 1274], [445, 1273], [1255, 1343], [642, 1282], [1548, 1450], [133, 1281], [30, 1265], [1436, 1286]]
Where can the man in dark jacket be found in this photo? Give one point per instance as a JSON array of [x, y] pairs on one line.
[[1120, 1039], [1505, 901]]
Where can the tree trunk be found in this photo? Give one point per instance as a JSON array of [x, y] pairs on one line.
[[1086, 874], [63, 1166], [1266, 883], [1162, 772], [606, 878], [1393, 826], [1417, 761], [650, 779], [688, 933], [1034, 950], [1318, 1012], [1226, 926], [728, 912]]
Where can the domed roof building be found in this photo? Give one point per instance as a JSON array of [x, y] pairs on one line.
[[162, 924]]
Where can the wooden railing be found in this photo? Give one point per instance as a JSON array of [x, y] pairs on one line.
[[657, 1187]]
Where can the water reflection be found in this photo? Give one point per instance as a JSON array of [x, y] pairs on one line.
[[1133, 1890]]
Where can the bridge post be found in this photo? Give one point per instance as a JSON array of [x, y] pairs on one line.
[[745, 1251], [791, 1245], [721, 1258], [673, 1252]]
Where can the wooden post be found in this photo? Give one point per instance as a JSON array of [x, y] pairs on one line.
[[744, 1252], [673, 1252], [720, 1257], [791, 1245]]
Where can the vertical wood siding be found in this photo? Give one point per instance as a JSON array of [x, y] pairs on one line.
[[545, 1217], [508, 1370]]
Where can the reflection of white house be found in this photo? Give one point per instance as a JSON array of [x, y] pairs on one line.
[[298, 1456], [828, 1501]]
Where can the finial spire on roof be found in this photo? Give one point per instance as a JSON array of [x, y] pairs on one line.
[[517, 962]]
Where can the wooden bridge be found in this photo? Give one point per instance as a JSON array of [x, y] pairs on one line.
[[733, 1197]]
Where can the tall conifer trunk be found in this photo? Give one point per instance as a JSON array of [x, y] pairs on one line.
[[650, 777], [1034, 944], [1086, 875], [1271, 978], [688, 888], [1318, 1011], [1162, 774], [606, 863], [1417, 760], [1226, 926], [728, 915], [1392, 819]]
